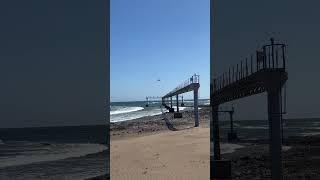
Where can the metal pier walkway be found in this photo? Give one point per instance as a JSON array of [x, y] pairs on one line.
[[268, 74], [192, 84]]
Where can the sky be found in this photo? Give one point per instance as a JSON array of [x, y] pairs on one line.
[[151, 40], [239, 29], [52, 63]]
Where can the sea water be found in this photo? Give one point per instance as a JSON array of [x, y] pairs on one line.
[[70, 152], [124, 111]]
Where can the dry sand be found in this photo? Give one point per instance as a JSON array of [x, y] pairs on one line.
[[176, 155]]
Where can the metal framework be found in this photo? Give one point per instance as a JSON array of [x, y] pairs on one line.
[[232, 134], [191, 84], [266, 74]]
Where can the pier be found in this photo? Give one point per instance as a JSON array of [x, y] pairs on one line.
[[152, 98], [232, 135], [267, 73], [191, 84]]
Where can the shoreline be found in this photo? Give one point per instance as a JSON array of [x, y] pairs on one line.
[[300, 157], [146, 148], [149, 125]]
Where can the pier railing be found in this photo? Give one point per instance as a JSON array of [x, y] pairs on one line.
[[193, 79], [271, 56]]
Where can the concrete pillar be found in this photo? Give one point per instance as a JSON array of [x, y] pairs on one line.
[[231, 122], [177, 103], [274, 117], [216, 136], [147, 102], [196, 109], [171, 102], [182, 104]]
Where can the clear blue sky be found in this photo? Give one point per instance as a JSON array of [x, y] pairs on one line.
[[151, 39]]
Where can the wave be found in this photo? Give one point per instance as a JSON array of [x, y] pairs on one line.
[[123, 109], [37, 152], [316, 123], [310, 134], [136, 115], [180, 108], [312, 128], [254, 127], [124, 113], [285, 148], [1, 142], [228, 148]]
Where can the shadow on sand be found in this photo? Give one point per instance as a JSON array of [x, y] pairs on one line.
[[169, 124]]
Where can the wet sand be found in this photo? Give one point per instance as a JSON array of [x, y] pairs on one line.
[[147, 149], [300, 159]]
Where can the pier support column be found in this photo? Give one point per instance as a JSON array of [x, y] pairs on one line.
[[274, 117], [177, 103], [231, 122], [231, 135], [182, 104], [215, 133], [171, 102], [196, 109], [219, 169], [177, 114], [147, 104]]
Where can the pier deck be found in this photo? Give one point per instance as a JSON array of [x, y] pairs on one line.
[[192, 84], [242, 81]]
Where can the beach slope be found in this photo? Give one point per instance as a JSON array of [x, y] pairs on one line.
[[182, 154]]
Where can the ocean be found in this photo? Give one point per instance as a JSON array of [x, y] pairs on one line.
[[70, 152], [124, 111]]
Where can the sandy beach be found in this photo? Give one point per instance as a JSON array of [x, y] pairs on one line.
[[147, 149]]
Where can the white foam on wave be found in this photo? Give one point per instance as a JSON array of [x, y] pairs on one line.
[[312, 128], [285, 148], [138, 113], [135, 115], [126, 110], [228, 148], [52, 152], [310, 134], [180, 108], [254, 127], [316, 123]]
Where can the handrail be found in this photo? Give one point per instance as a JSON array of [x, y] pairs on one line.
[[193, 79], [271, 56]]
